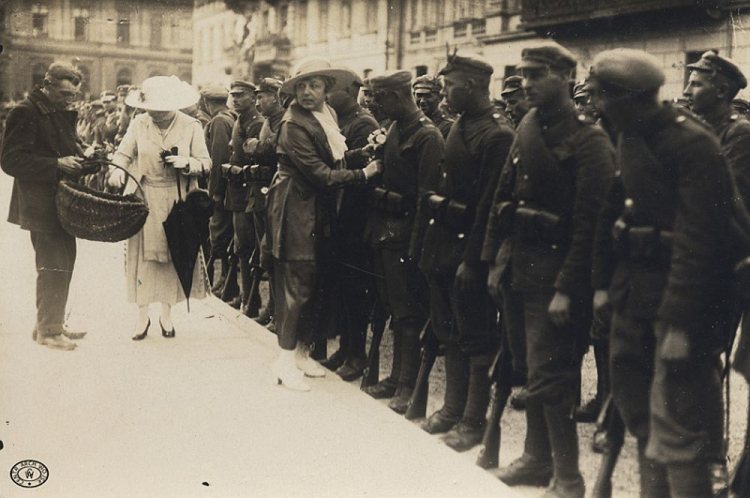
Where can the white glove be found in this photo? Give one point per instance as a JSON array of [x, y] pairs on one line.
[[178, 162]]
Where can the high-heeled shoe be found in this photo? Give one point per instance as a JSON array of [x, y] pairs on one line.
[[142, 335], [166, 333], [291, 378], [309, 367]]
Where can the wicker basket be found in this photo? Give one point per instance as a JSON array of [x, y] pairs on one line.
[[101, 216]]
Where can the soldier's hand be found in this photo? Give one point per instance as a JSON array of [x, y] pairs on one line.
[[70, 165], [559, 309], [468, 278], [373, 168], [602, 306], [250, 145], [675, 347]]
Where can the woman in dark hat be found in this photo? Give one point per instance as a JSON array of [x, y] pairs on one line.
[[301, 209]]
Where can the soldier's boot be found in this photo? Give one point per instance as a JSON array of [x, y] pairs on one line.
[[252, 301], [246, 283], [567, 481], [386, 388], [355, 360], [470, 429], [692, 480], [457, 373], [410, 363], [653, 475], [534, 467], [218, 284]]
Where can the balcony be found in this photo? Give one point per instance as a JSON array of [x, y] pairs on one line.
[[538, 14], [273, 48]]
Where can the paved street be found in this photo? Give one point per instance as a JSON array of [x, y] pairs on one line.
[[193, 416]]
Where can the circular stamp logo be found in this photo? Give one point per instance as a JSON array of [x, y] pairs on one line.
[[29, 473]]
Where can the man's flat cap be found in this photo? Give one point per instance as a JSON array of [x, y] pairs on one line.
[[512, 84], [628, 69], [392, 80], [427, 82], [467, 63], [216, 92], [711, 62], [546, 56], [579, 90], [270, 85], [239, 86]]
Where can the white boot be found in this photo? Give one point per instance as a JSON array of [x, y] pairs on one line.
[[285, 372], [310, 367]]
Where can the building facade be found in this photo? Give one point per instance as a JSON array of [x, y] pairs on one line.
[[112, 41], [369, 36]]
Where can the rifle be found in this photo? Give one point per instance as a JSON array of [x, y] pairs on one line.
[[611, 425], [501, 374], [417, 407], [231, 288], [372, 370], [252, 306]]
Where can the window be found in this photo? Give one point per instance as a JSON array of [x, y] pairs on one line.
[[420, 70], [156, 31], [430, 35], [322, 20], [414, 37], [283, 18], [123, 31], [346, 18], [39, 18], [459, 30], [124, 77], [37, 74], [479, 27], [80, 23], [85, 79], [302, 21]]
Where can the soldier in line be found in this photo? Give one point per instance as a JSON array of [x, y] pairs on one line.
[[462, 313], [354, 272], [411, 160], [218, 133], [667, 280], [368, 102], [516, 104], [105, 130], [262, 151], [427, 94], [546, 206], [247, 125]]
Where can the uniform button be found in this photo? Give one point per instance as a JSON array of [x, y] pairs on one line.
[[581, 117], [496, 116], [554, 246], [264, 190], [629, 203], [515, 160], [680, 119], [422, 119], [521, 203], [461, 235], [445, 175], [525, 177], [432, 221], [734, 117]]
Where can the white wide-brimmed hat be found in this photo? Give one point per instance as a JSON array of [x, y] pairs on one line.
[[163, 93], [319, 66]]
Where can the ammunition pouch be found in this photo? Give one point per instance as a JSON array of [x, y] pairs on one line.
[[539, 226], [232, 173], [256, 173], [641, 243], [452, 214], [390, 202]]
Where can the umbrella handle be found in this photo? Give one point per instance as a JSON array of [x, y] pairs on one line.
[[110, 163]]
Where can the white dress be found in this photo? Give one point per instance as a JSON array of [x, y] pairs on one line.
[[150, 274]]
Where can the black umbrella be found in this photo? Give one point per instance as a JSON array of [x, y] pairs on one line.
[[185, 228]]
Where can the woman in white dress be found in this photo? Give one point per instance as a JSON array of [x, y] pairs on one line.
[[151, 276]]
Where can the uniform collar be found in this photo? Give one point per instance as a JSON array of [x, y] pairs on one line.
[[42, 102]]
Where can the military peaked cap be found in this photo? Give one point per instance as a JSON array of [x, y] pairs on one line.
[[469, 63], [546, 56], [427, 82], [240, 86], [270, 85], [711, 62], [580, 90], [216, 92], [392, 80], [632, 70], [512, 84]]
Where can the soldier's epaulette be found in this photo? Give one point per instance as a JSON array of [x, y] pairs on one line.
[[684, 114], [501, 120], [425, 121]]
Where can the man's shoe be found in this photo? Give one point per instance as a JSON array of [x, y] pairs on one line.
[[588, 413], [386, 388], [566, 488], [74, 334], [440, 422], [400, 402], [264, 317], [526, 471], [465, 435], [518, 400], [351, 369], [236, 302], [56, 342], [250, 310], [334, 361]]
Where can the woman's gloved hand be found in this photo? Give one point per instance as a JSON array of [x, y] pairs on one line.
[[116, 178], [178, 162]]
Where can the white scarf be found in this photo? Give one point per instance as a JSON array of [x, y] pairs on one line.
[[336, 141]]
